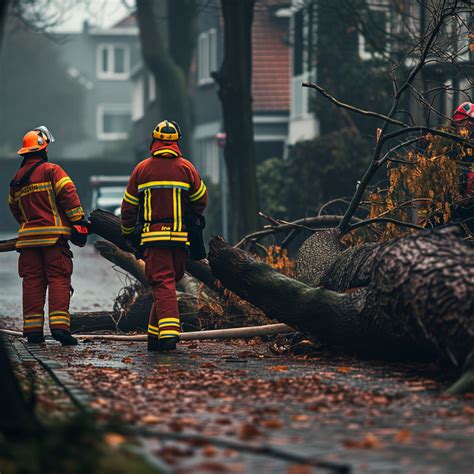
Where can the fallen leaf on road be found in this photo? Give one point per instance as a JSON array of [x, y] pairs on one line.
[[272, 423], [114, 440], [248, 431], [403, 436], [468, 410], [150, 419], [369, 442], [300, 417], [344, 370], [278, 368], [208, 365], [209, 451]]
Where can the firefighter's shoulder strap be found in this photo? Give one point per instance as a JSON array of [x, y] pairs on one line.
[[25, 178]]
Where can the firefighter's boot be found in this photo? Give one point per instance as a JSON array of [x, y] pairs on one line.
[[64, 337], [35, 338], [168, 344], [153, 343]]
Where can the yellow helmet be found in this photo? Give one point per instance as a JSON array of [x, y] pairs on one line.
[[167, 130]]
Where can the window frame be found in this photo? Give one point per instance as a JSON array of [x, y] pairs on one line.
[[206, 56], [151, 88], [101, 111], [384, 7], [110, 74], [138, 99]]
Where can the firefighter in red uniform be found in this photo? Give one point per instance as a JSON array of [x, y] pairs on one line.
[[44, 201], [162, 192]]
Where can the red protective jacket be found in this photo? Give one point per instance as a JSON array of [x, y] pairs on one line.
[[45, 205], [161, 191]]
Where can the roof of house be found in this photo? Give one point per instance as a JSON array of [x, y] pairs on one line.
[[129, 21], [271, 60]]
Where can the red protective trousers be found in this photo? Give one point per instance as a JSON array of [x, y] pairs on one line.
[[42, 268], [164, 267]]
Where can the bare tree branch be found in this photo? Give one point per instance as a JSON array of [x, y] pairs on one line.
[[367, 113], [390, 220]]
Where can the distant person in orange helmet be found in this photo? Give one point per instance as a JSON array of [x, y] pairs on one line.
[[163, 199], [463, 118], [44, 201]]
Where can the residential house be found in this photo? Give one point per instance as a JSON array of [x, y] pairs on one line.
[[100, 60], [385, 25], [270, 86], [80, 88]]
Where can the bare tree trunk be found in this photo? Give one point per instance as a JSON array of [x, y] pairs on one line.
[[3, 18], [235, 92], [167, 33]]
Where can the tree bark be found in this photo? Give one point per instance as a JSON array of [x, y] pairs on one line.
[[124, 260], [167, 51], [409, 297], [94, 321], [235, 92], [3, 18]]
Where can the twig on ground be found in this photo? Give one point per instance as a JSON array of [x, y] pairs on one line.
[[261, 449]]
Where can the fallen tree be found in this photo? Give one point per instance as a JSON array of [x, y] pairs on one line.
[[412, 296]]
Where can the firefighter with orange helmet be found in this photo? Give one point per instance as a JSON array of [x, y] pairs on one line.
[[463, 118], [164, 195], [44, 201]]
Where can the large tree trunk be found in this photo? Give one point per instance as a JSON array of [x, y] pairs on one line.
[[3, 18], [235, 92], [413, 296], [167, 34]]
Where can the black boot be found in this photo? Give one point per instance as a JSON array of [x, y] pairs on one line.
[[64, 337], [168, 344], [35, 338], [153, 343]]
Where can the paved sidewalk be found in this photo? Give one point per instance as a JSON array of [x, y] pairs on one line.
[[377, 417]]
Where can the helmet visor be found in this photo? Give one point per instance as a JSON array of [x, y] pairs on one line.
[[46, 132]]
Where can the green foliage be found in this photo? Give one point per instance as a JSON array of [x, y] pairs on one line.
[[314, 172]]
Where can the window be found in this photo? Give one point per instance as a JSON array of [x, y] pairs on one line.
[[298, 43], [207, 56], [151, 87], [114, 121], [138, 99], [113, 61], [209, 159], [377, 20], [303, 36]]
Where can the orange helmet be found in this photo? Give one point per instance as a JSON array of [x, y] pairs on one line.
[[35, 140]]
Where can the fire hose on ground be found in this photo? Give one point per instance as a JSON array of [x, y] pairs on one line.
[[241, 332]]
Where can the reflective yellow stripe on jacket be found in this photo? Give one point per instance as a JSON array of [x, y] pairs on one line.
[[164, 235], [199, 193]]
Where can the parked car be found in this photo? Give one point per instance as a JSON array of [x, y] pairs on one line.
[[107, 192]]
